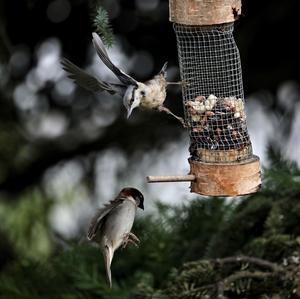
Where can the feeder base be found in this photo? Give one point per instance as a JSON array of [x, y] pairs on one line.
[[226, 179]]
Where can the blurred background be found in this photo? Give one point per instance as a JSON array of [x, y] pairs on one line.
[[65, 151]]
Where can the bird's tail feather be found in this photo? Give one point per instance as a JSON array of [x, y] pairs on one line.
[[108, 256]]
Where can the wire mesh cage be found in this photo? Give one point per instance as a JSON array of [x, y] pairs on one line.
[[221, 158], [214, 100]]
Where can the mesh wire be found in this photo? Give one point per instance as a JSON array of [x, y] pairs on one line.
[[213, 95]]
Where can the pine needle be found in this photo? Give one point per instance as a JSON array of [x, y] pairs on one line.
[[103, 27]]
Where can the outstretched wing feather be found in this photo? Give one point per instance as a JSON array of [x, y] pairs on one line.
[[102, 53], [85, 80]]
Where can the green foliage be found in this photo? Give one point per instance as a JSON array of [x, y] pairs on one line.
[[264, 225], [195, 226], [73, 274], [181, 251], [11, 146], [246, 223], [102, 26], [282, 177], [80, 270], [272, 248], [25, 222]]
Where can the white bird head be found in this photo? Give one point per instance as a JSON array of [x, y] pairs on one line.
[[133, 96]]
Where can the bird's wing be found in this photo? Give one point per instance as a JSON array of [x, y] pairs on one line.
[[101, 51], [97, 220], [89, 82]]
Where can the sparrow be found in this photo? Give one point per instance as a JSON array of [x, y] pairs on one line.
[[111, 226], [149, 95]]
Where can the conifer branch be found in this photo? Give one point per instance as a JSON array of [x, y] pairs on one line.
[[225, 283], [102, 26], [247, 259]]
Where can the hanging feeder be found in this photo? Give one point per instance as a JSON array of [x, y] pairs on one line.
[[221, 158]]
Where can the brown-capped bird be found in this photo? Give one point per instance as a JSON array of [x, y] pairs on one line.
[[111, 226], [149, 95]]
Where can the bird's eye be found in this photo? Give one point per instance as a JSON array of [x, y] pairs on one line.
[[143, 93]]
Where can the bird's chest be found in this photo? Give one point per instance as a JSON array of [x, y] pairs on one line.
[[120, 223], [155, 96]]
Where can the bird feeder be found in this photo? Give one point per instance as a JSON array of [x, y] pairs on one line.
[[221, 159]]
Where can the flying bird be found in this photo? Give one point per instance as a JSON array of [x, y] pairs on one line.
[[111, 226], [149, 95]]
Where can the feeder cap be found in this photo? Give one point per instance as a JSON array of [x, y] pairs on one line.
[[204, 12]]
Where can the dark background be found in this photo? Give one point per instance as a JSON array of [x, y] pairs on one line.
[[266, 34]]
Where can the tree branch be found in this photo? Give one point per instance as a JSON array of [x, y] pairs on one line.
[[247, 259], [223, 284]]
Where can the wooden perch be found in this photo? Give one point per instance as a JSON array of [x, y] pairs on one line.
[[219, 179], [171, 178]]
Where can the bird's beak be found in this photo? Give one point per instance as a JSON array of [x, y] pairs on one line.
[[141, 206], [129, 111]]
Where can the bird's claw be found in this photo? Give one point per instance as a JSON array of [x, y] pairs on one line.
[[184, 83], [131, 238], [130, 241], [134, 237], [183, 122]]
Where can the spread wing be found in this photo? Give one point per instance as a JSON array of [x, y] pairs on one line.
[[102, 53], [89, 82], [98, 219]]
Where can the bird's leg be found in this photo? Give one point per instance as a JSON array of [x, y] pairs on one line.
[[128, 238], [182, 82], [168, 111], [175, 83]]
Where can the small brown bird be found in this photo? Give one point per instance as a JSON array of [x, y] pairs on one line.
[[111, 226], [149, 95]]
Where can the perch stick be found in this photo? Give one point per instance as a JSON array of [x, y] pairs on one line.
[[171, 178]]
